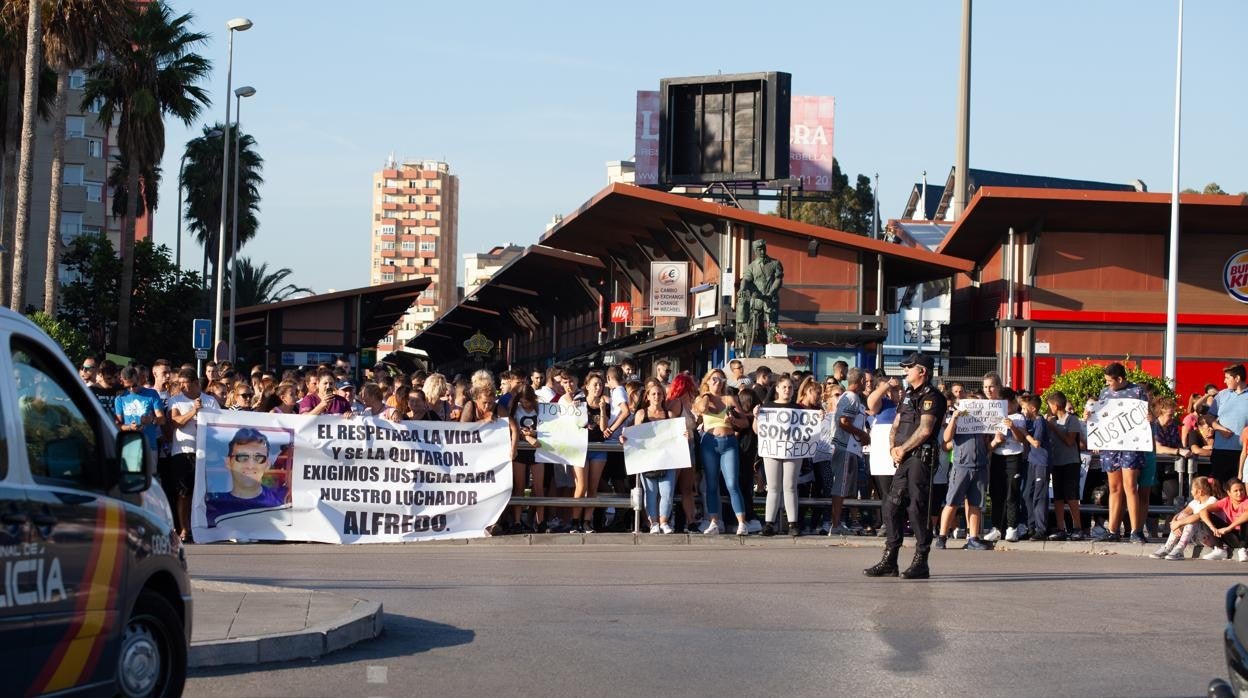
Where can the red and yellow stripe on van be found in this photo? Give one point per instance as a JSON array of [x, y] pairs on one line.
[[77, 653]]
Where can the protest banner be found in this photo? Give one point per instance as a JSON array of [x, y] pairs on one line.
[[331, 479], [1119, 424], [787, 434], [981, 416], [561, 434], [657, 445]]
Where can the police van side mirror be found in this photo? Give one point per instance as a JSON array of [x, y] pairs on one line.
[[132, 459]]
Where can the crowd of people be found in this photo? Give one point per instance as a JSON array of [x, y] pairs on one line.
[[1029, 478]]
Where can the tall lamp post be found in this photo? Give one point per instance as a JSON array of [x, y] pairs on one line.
[[241, 24], [182, 168], [244, 91]]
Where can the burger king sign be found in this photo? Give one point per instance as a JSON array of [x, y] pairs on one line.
[[1235, 276]]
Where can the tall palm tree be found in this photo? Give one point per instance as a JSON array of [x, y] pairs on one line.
[[148, 73], [256, 285], [26, 159], [202, 179], [72, 31], [149, 187]]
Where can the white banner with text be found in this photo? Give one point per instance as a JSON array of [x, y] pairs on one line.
[[787, 434]]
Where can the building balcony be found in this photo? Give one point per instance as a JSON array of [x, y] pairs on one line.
[[410, 207], [387, 268], [428, 270], [407, 254], [389, 190], [428, 255], [430, 174], [389, 253], [389, 221], [411, 191], [428, 223], [429, 207], [427, 302], [387, 237], [389, 206], [390, 174], [430, 191]]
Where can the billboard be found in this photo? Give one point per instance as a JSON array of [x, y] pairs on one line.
[[810, 140]]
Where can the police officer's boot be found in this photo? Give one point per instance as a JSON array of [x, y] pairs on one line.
[[918, 567], [886, 567]]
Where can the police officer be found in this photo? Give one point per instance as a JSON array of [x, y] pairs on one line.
[[914, 442]]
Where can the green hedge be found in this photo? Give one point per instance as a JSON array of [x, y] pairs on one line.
[[1085, 383]]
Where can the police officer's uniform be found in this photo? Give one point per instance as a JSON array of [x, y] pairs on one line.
[[912, 482]]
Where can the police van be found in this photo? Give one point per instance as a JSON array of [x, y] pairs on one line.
[[94, 593]]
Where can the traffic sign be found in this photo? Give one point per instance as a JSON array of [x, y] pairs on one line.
[[201, 354], [201, 335]]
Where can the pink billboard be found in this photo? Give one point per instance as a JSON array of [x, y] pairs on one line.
[[810, 140], [646, 148]]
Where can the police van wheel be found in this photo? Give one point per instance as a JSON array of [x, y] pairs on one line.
[[152, 660]]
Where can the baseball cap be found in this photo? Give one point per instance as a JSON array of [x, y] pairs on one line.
[[919, 359], [345, 385]]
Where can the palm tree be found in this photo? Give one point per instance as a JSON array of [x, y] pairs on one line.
[[26, 159], [147, 73], [72, 32], [256, 285], [202, 179]]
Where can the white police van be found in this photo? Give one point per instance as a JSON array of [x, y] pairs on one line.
[[94, 593]]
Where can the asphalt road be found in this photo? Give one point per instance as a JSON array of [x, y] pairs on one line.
[[611, 620]]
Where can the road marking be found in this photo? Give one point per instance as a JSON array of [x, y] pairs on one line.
[[375, 674]]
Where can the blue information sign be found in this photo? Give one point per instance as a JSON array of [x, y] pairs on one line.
[[201, 334]]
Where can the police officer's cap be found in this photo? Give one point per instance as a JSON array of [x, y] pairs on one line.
[[919, 359]]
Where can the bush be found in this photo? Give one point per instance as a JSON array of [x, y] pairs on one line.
[[1085, 383], [72, 341]]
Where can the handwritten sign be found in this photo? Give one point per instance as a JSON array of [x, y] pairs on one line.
[[658, 445], [561, 434], [1119, 424], [980, 416], [787, 434]]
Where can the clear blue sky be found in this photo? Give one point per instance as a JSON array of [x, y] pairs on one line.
[[528, 101]]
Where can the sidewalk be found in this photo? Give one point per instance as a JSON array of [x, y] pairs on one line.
[[251, 624]]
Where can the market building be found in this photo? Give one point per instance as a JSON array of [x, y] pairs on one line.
[[1061, 277], [554, 304]]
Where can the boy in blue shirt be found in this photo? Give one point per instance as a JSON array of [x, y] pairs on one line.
[[966, 483], [136, 410]]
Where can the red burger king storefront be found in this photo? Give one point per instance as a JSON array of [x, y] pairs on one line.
[[1064, 276]]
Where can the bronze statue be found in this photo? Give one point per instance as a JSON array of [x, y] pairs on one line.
[[758, 298]]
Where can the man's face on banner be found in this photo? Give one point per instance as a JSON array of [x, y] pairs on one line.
[[247, 463]]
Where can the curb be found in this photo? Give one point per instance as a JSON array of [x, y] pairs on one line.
[[755, 541], [364, 621]]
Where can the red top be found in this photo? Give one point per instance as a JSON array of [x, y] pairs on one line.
[[1229, 509]]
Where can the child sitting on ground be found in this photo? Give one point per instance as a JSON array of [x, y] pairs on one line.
[[1227, 519], [1186, 527]]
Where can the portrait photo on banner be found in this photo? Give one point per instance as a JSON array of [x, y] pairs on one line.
[[246, 470]]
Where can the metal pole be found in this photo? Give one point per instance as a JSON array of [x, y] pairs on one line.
[[1170, 360], [178, 245], [875, 209], [225, 183], [238, 117], [964, 116]]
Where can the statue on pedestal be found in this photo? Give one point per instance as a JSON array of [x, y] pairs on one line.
[[758, 298]]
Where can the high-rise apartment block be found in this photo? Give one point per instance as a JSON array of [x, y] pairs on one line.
[[415, 229]]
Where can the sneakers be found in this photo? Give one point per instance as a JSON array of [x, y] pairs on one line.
[[754, 526], [655, 529], [587, 527], [1077, 536], [1099, 532], [769, 530], [992, 536], [1160, 553], [795, 530], [693, 527], [976, 544], [1011, 535], [940, 542], [665, 529], [1215, 554], [743, 529], [1241, 555], [1176, 554], [712, 529], [1112, 538], [1058, 535]]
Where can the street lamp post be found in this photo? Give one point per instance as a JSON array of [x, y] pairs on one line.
[[244, 91], [237, 24]]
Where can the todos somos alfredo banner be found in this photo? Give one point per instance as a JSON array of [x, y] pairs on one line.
[[331, 479]]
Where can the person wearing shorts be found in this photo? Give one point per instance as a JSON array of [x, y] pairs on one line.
[[1124, 469], [968, 468], [849, 433]]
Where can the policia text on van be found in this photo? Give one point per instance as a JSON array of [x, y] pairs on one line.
[[94, 597]]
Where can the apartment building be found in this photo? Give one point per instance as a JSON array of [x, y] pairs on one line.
[[90, 152], [480, 266], [414, 235]]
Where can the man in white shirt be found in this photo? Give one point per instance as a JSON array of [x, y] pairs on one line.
[[178, 477]]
